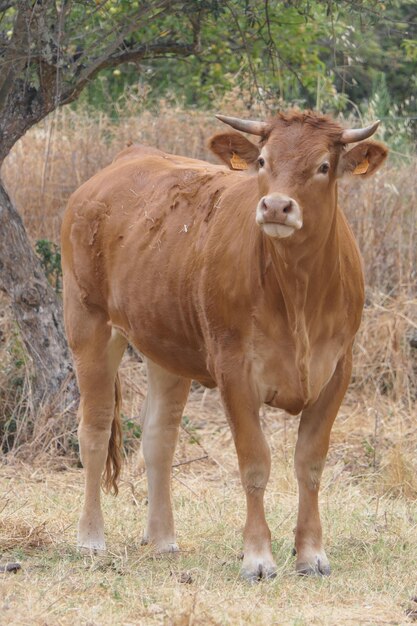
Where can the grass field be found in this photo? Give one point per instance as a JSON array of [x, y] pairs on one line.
[[369, 488], [369, 511]]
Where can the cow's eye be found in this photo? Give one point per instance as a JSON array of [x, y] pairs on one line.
[[261, 162], [324, 168]]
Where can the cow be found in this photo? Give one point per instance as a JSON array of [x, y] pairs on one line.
[[245, 277]]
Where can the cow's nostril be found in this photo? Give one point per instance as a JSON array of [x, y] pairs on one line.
[[287, 208], [264, 205]]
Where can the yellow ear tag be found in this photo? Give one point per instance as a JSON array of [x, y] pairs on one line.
[[362, 168], [237, 163]]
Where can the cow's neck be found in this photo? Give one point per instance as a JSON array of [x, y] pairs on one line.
[[311, 258], [306, 276]]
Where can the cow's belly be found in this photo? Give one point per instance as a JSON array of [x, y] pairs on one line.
[[166, 344]]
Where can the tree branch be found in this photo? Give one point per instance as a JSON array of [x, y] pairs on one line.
[[87, 71], [147, 51], [6, 5], [13, 61], [135, 54]]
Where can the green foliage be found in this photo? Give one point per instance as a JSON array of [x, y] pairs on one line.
[[318, 54], [132, 433], [373, 45], [315, 53], [50, 257], [190, 429], [410, 47]]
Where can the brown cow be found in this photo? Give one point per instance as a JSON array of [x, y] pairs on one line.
[[250, 281]]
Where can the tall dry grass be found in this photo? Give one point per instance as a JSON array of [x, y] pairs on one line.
[[54, 158]]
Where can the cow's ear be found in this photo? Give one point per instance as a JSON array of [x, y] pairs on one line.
[[363, 160], [235, 150]]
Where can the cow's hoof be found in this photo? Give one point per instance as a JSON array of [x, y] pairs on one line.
[[92, 550], [161, 547], [320, 567], [90, 536], [255, 571], [167, 548]]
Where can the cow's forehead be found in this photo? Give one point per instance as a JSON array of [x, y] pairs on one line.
[[302, 135]]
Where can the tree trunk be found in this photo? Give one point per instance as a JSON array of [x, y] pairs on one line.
[[36, 310]]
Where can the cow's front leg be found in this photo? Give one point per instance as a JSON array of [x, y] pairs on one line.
[[242, 407], [310, 456]]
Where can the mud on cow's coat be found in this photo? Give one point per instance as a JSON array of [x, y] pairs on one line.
[[247, 278]]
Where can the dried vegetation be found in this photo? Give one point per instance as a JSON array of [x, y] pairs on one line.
[[370, 484]]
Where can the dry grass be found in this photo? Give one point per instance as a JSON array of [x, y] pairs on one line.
[[385, 361], [370, 529], [22, 535]]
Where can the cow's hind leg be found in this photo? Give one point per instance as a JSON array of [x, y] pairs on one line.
[[310, 456], [165, 401], [97, 351]]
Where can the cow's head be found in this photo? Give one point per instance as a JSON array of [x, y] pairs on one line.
[[299, 159]]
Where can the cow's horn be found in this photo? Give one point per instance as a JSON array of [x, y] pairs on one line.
[[358, 134], [248, 126]]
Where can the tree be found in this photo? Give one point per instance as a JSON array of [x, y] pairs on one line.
[[49, 51]]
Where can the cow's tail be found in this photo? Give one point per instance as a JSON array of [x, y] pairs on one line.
[[114, 454]]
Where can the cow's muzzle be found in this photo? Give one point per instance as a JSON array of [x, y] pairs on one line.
[[278, 215]]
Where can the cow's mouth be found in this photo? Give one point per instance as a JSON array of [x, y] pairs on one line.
[[277, 231], [278, 215]]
